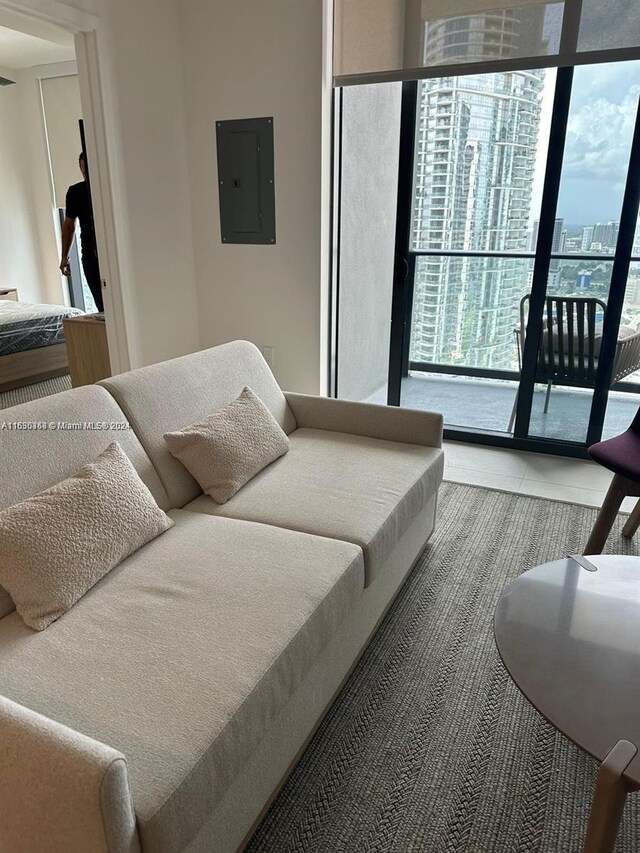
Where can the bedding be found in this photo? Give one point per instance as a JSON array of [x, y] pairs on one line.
[[26, 326]]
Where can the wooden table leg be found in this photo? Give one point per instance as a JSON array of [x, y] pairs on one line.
[[608, 802]]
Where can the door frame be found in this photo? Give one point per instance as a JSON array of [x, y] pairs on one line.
[[87, 30]]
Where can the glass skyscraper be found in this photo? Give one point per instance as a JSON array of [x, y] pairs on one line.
[[476, 151]]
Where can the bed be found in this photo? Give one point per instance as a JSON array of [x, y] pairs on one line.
[[32, 346]]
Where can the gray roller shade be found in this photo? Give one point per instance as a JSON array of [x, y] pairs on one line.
[[391, 40]]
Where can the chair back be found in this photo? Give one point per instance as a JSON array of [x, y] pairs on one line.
[[570, 340]]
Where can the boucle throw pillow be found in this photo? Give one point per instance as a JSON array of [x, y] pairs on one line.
[[6, 603], [230, 447], [57, 544]]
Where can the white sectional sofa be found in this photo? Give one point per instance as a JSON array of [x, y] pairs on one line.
[[162, 712]]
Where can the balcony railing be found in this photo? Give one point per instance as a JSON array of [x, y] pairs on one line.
[[431, 305]]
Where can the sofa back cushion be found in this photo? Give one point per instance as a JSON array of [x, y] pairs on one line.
[[35, 453], [169, 396]]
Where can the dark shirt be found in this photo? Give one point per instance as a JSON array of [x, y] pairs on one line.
[[78, 207]]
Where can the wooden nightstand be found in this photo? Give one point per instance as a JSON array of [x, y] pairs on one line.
[[9, 293], [87, 349]]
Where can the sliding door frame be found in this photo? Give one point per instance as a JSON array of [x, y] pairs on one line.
[[404, 273], [404, 263], [544, 247]]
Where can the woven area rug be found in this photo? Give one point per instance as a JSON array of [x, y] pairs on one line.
[[32, 392], [430, 747]]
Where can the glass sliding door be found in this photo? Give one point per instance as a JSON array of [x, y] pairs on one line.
[[601, 120], [623, 398], [517, 187], [479, 160]]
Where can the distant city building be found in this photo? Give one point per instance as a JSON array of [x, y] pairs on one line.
[[606, 233], [587, 238], [632, 293], [572, 245], [583, 280], [486, 36], [601, 237], [559, 236]]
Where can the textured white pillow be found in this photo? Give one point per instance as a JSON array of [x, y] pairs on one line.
[[6, 603], [230, 447], [56, 545]]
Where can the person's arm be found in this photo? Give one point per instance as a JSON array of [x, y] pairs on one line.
[[68, 233]]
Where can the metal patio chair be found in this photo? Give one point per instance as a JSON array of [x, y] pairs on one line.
[[570, 344]]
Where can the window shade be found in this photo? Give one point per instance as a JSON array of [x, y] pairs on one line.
[[609, 24], [378, 40]]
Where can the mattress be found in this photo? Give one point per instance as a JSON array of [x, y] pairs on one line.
[[26, 326]]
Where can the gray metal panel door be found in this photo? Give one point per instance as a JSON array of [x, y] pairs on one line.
[[246, 180]]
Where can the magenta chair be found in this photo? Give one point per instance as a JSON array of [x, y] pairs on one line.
[[622, 456]]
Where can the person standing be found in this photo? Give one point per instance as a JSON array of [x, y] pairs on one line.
[[78, 207]]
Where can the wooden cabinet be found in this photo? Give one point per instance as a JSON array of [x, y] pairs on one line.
[[9, 293], [87, 348]]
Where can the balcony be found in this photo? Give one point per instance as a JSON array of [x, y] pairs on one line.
[[485, 405]]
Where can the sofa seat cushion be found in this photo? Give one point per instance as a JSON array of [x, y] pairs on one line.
[[349, 487], [184, 654]]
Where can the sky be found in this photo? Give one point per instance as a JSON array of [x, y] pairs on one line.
[[601, 121]]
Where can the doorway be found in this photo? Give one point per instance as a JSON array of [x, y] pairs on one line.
[[85, 31], [39, 145]]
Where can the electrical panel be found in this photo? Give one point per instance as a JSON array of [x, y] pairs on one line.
[[246, 180]]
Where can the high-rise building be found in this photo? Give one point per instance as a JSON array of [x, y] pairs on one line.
[[606, 233], [475, 159], [490, 35], [587, 238], [559, 236]]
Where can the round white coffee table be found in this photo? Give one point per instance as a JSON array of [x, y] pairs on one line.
[[568, 633]]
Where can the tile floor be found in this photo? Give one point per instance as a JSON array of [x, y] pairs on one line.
[[570, 480]]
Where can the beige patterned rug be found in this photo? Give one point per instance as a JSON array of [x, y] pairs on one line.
[[430, 747], [32, 392]]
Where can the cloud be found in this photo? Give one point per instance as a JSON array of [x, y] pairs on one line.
[[604, 102], [599, 138]]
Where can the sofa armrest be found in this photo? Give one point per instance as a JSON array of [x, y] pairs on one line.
[[387, 422], [60, 791]]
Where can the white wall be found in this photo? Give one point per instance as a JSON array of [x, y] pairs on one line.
[[238, 58], [142, 70], [28, 249], [243, 59]]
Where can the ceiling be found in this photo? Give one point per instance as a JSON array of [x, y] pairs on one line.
[[25, 42]]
